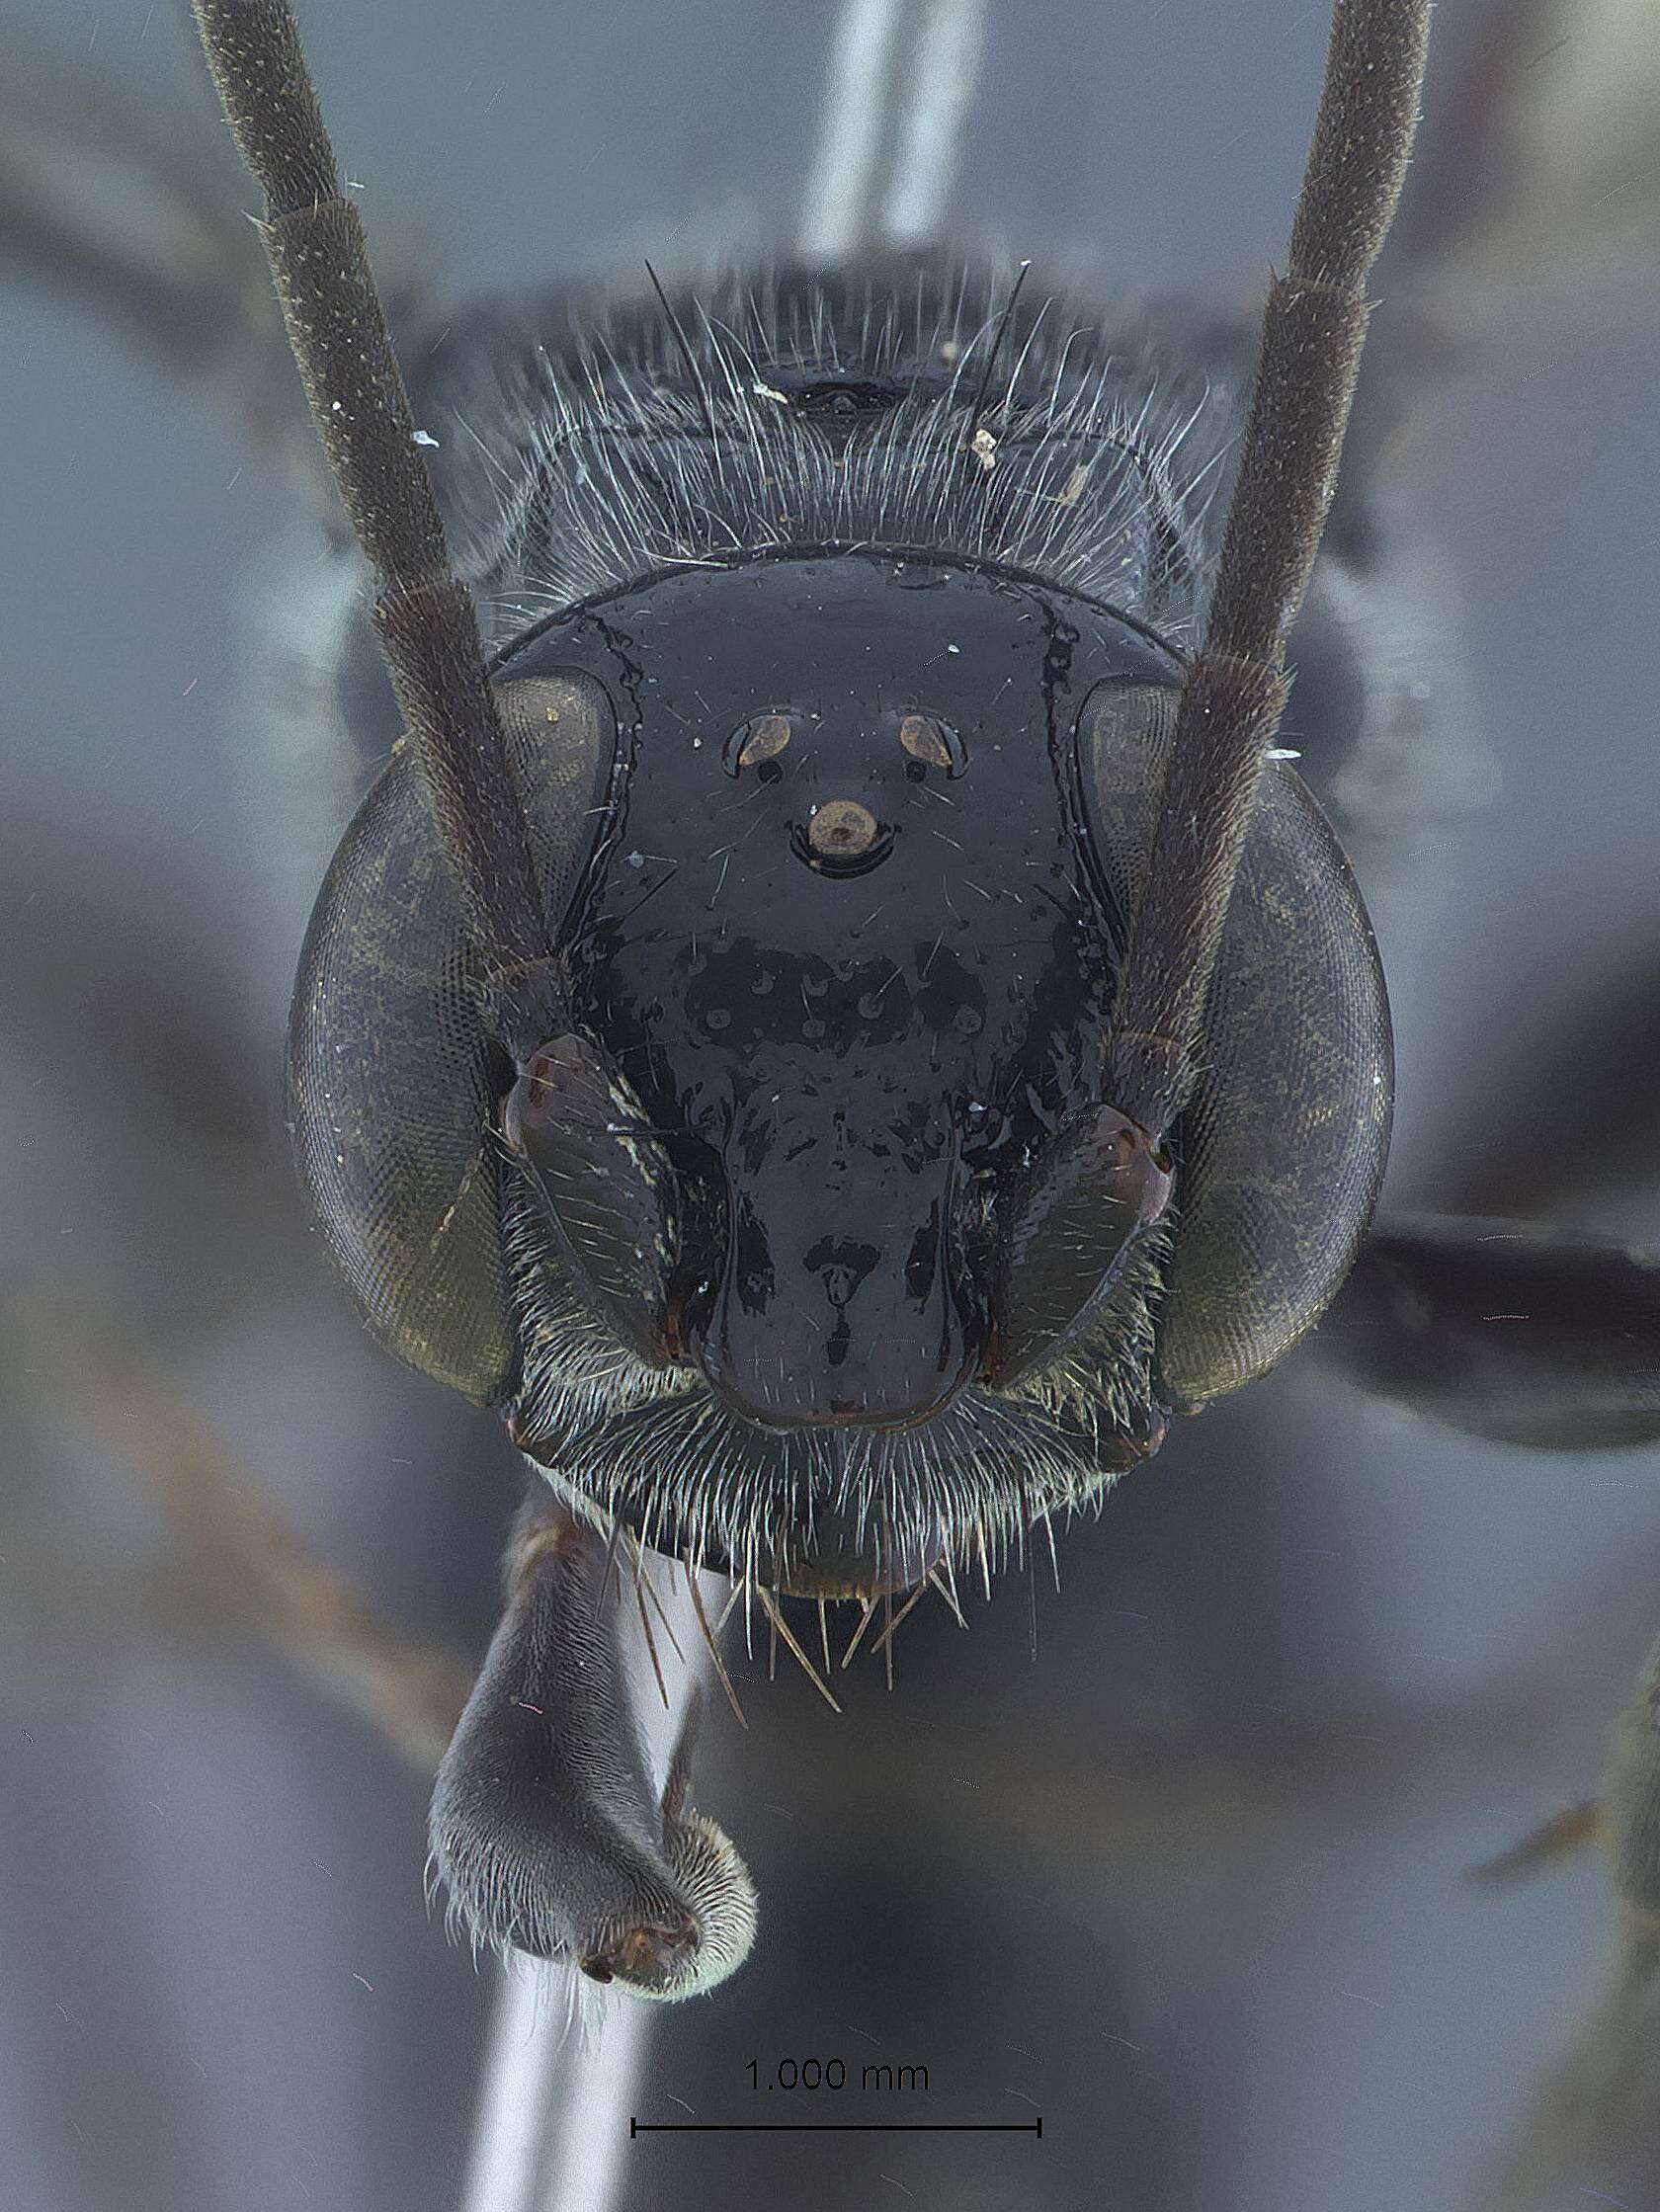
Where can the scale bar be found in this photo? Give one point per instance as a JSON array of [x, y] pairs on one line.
[[835, 2127]]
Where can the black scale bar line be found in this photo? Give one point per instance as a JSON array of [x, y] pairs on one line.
[[834, 2127]]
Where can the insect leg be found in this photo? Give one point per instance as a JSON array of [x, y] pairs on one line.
[[1593, 2111], [1504, 1332], [237, 1549], [545, 1828]]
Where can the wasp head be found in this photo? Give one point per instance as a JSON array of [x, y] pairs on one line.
[[784, 1208]]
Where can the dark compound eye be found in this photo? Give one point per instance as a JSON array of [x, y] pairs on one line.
[[762, 738]]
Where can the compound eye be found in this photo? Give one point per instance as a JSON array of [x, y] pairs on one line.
[[762, 738], [932, 743]]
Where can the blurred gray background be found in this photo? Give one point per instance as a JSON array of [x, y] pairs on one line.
[[1187, 1883]]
